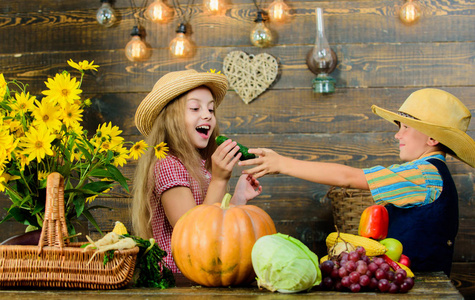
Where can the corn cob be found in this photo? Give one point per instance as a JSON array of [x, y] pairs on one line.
[[324, 258], [372, 247], [405, 268]]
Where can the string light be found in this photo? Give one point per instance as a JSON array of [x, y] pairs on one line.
[[215, 7], [106, 15], [181, 46], [410, 12], [136, 49], [261, 36], [278, 11], [159, 12]]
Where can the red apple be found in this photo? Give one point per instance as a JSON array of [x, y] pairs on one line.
[[405, 260], [394, 248]]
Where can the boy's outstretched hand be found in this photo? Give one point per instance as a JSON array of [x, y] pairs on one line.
[[247, 188], [267, 162]]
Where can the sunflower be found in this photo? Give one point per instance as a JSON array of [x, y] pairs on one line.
[[3, 160], [7, 142], [138, 149], [42, 175], [120, 156], [62, 89], [3, 86], [22, 160], [106, 133], [48, 114], [37, 143], [23, 103], [76, 129], [71, 114], [161, 150], [83, 65], [5, 178]]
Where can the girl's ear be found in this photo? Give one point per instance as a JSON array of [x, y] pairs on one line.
[[432, 142]]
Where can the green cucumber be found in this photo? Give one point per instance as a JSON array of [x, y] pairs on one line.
[[243, 149]]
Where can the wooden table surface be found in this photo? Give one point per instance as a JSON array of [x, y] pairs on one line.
[[428, 286]]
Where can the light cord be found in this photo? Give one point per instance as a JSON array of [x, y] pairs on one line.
[[184, 17]]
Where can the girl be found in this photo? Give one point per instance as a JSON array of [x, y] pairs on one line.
[[180, 111]]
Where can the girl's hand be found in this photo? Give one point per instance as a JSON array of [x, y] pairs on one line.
[[224, 159], [267, 162], [247, 188]]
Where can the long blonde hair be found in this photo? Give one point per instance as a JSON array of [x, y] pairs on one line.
[[169, 127]]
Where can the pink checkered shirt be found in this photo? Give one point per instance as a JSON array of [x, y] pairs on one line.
[[170, 172]]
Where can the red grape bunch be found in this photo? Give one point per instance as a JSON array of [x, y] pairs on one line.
[[355, 272]]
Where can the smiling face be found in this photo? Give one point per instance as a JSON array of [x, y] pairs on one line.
[[412, 143], [200, 119]]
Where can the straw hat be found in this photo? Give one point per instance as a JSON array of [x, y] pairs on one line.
[[172, 85], [439, 115]]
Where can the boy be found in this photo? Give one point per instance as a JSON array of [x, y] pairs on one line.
[[420, 194]]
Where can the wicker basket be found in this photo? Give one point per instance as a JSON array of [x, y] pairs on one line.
[[347, 207], [56, 262]]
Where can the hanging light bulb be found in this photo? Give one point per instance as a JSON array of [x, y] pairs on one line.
[[410, 12], [106, 15], [321, 60], [181, 46], [159, 12], [261, 36], [215, 7], [136, 49], [278, 11]]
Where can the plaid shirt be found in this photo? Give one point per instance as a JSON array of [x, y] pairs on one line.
[[169, 172]]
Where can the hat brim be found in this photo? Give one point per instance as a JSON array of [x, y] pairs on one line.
[[156, 100], [456, 140]]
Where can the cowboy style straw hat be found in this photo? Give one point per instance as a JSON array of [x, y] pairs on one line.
[[172, 85], [439, 115]]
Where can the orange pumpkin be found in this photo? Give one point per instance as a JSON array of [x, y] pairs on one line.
[[212, 244]]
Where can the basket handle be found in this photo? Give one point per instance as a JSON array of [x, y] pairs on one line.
[[54, 225]]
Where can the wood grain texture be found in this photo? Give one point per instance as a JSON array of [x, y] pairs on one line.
[[427, 286], [380, 61], [379, 65], [56, 25]]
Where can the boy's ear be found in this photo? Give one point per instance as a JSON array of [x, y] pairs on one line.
[[432, 142]]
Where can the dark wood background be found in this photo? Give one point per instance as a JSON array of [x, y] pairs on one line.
[[380, 61]]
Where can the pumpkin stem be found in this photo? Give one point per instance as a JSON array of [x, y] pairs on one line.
[[226, 199]]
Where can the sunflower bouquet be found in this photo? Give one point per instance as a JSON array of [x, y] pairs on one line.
[[38, 137]]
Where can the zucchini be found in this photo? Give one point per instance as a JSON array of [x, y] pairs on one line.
[[243, 149]]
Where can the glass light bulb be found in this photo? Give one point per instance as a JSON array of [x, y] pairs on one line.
[[106, 15], [136, 49], [215, 6], [159, 12], [410, 12], [181, 46], [261, 36], [278, 11]]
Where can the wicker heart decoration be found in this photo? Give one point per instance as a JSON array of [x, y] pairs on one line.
[[250, 75]]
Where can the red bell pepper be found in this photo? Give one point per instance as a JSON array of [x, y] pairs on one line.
[[374, 222]]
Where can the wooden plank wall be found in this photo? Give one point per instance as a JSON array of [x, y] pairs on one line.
[[380, 61]]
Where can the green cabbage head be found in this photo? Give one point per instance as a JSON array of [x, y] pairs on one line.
[[284, 264]]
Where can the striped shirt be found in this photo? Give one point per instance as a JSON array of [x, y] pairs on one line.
[[414, 183], [170, 172]]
